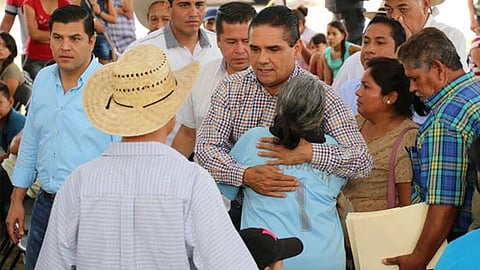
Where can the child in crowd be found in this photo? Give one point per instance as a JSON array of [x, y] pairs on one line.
[[317, 46], [339, 49], [269, 251]]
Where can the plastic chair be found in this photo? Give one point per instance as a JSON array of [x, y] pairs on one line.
[[22, 97]]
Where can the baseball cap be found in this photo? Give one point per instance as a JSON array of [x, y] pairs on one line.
[[210, 14], [266, 248]]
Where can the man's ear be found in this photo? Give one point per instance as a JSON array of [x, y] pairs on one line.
[[439, 70]]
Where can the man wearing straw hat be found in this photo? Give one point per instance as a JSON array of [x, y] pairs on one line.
[[58, 137], [152, 14], [140, 204]]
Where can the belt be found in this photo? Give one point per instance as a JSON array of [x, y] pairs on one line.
[[47, 195]]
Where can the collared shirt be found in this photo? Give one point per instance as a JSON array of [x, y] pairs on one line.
[[195, 107], [351, 69], [141, 206], [58, 136], [455, 36], [442, 145], [178, 56], [240, 103]]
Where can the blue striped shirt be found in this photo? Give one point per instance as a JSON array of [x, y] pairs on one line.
[[58, 136], [442, 145], [141, 206]]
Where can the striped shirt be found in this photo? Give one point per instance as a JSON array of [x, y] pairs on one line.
[[141, 206], [445, 177], [240, 103]]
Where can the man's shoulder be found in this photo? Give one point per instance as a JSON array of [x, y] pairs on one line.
[[156, 38], [447, 29]]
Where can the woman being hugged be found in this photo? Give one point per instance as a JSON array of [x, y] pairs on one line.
[[385, 111], [10, 74], [309, 212], [339, 49]]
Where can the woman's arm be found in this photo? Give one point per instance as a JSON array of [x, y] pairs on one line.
[[327, 72], [12, 84], [110, 16], [404, 194], [354, 48], [126, 9], [32, 26]]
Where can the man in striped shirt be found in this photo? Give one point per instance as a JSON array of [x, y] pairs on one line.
[[141, 204], [443, 176]]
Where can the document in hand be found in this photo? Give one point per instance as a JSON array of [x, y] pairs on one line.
[[387, 233]]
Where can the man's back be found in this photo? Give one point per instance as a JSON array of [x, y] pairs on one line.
[[141, 206]]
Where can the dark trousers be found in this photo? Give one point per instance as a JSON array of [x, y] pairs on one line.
[[354, 22]]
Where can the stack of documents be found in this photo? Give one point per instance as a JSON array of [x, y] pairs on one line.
[[387, 233]]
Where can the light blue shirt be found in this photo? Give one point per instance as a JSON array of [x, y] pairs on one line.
[[309, 213], [58, 136]]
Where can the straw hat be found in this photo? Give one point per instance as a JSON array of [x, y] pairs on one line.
[[138, 94], [140, 7], [381, 9], [371, 14]]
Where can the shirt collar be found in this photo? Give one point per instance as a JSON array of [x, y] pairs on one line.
[[296, 71], [172, 42], [94, 65], [447, 91]]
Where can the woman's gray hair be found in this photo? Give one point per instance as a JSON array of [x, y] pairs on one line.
[[299, 111]]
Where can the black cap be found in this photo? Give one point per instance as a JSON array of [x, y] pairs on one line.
[[266, 248]]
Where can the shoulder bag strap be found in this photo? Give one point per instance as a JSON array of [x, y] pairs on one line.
[[391, 168]]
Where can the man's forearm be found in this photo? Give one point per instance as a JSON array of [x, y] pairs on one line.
[[18, 195], [351, 161], [438, 224]]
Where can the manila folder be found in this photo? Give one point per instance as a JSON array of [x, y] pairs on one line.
[[386, 233]]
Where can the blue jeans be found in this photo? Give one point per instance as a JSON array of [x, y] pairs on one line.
[[38, 227]]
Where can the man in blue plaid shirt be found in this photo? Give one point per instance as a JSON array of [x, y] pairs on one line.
[[443, 176]]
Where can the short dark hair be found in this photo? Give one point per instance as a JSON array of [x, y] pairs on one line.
[[73, 13], [389, 74], [397, 32], [282, 17], [11, 46], [319, 39], [4, 90], [234, 13], [426, 46]]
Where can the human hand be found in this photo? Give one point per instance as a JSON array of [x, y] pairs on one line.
[[474, 26], [408, 31], [407, 262], [302, 153], [269, 181], [15, 221], [99, 27]]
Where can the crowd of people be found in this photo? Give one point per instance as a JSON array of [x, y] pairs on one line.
[[234, 137]]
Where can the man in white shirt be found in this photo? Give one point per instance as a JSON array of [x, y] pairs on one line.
[[182, 39], [140, 205], [414, 15], [232, 38]]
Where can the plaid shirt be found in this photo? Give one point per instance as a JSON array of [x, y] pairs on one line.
[[240, 103], [445, 175]]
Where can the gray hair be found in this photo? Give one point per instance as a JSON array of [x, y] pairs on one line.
[[426, 46], [299, 111]]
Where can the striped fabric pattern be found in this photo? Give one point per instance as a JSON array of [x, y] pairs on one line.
[[141, 206], [443, 142], [240, 103]]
